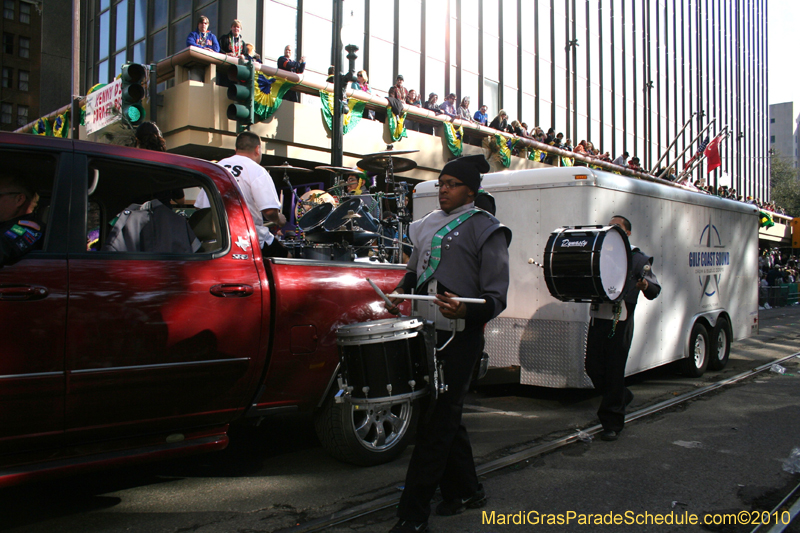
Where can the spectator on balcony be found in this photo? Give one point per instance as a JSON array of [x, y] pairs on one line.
[[567, 145], [202, 38], [431, 105], [463, 110], [500, 122], [362, 84], [250, 53], [399, 91], [232, 43], [412, 99], [285, 63], [580, 148], [448, 107], [550, 137], [622, 160], [481, 117], [516, 129], [633, 164]]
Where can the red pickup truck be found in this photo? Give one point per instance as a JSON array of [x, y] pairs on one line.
[[116, 355]]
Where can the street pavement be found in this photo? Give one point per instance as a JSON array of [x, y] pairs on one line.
[[729, 455]]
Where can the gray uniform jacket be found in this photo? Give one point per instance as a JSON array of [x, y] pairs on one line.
[[151, 227], [474, 259]]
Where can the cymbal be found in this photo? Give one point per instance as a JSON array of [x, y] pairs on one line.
[[351, 215], [379, 163], [339, 170], [286, 167], [391, 153]]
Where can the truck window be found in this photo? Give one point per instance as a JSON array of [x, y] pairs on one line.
[[35, 172], [142, 209]]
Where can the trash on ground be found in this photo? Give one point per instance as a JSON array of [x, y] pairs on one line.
[[778, 369], [688, 443], [584, 437], [792, 464]]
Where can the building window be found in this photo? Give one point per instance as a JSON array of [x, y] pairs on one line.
[[8, 9], [772, 121], [24, 47], [8, 78], [25, 13], [5, 114], [8, 43], [772, 139], [22, 115], [23, 80]]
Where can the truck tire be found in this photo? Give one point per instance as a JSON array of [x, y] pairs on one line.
[[720, 345], [366, 435], [699, 351]]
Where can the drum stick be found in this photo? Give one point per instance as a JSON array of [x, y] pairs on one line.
[[431, 298], [380, 293]]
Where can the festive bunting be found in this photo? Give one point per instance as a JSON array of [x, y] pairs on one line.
[[42, 127], [350, 119], [504, 145], [765, 220], [397, 126], [567, 161], [269, 93], [455, 138], [535, 155], [61, 125]]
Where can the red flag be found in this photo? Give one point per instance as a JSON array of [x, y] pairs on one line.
[[712, 153]]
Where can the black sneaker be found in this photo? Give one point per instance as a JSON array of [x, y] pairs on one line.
[[609, 435], [409, 526], [450, 508]]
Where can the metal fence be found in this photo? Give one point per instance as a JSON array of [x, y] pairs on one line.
[[779, 295]]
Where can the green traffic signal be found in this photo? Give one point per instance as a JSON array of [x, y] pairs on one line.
[[242, 92], [133, 74]]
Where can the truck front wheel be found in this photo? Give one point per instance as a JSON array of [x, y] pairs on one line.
[[366, 434], [699, 351]]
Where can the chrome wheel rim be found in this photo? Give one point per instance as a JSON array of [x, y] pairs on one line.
[[380, 426], [699, 351], [722, 341]]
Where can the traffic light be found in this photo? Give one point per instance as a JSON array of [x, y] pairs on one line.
[[242, 92], [132, 92]]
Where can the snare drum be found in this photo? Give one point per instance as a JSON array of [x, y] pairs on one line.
[[587, 264], [383, 359]]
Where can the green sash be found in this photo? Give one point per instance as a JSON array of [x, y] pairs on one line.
[[436, 245]]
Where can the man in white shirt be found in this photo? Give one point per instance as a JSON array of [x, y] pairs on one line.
[[258, 191]]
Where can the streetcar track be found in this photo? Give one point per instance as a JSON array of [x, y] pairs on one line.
[[390, 500]]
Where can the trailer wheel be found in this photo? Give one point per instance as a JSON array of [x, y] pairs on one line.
[[366, 435], [699, 350], [720, 345]]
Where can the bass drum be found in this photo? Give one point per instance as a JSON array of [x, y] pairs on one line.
[[587, 263], [324, 252]]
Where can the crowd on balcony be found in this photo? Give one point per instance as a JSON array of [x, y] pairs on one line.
[[233, 44]]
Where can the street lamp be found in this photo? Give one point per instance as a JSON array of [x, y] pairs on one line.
[[344, 35]]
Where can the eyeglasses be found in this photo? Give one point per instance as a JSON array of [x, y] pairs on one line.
[[448, 184]]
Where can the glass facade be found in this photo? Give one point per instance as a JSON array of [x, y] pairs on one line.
[[624, 75]]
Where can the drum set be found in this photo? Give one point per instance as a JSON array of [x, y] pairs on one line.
[[339, 225]]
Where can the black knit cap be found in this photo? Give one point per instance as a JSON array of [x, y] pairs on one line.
[[468, 169]]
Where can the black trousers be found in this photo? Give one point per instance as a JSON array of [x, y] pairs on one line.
[[605, 364], [443, 454]]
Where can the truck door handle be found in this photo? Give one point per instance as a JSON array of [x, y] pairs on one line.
[[231, 290], [19, 293]]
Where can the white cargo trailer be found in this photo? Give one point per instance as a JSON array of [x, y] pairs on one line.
[[706, 258]]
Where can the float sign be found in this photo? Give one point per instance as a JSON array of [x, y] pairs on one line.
[[103, 105]]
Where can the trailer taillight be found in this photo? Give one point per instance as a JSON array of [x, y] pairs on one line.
[[581, 177]]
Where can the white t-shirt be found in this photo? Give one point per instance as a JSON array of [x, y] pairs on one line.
[[256, 187]]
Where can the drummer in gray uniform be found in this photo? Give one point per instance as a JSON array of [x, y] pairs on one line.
[[459, 250]]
